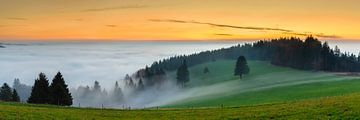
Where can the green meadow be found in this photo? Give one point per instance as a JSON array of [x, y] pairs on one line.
[[267, 92], [265, 84]]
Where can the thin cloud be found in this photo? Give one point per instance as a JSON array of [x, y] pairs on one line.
[[223, 34], [113, 8], [222, 25], [12, 25], [284, 31], [79, 19], [321, 35], [16, 18], [111, 25]]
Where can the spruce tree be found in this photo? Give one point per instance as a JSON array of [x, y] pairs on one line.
[[140, 86], [5, 93], [241, 67], [15, 97], [97, 87], [59, 91], [117, 93], [206, 70], [40, 93], [183, 75]]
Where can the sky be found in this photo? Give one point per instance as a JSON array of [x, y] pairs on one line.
[[178, 19]]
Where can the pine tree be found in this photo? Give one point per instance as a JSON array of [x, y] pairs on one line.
[[241, 67], [117, 93], [40, 93], [183, 75], [60, 92], [23, 90], [337, 51], [15, 97], [140, 86], [206, 70], [5, 93], [97, 87]]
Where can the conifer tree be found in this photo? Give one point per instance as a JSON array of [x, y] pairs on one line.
[[183, 75], [15, 97], [59, 91], [117, 93], [5, 93], [140, 86], [97, 87], [206, 70], [241, 67], [40, 93]]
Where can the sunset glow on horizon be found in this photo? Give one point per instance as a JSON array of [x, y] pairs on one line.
[[177, 20]]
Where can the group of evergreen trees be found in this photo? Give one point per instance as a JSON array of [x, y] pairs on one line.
[[308, 54], [149, 76], [130, 83], [96, 95], [8, 95], [57, 93]]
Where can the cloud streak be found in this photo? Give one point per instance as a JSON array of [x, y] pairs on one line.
[[111, 26], [113, 8], [222, 25], [223, 34], [321, 35], [17, 18], [284, 31]]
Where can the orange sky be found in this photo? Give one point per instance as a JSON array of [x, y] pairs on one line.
[[178, 19]]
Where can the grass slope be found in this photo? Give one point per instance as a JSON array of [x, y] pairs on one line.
[[265, 84], [268, 92], [344, 107]]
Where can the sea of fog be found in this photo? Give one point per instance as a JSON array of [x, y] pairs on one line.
[[84, 62]]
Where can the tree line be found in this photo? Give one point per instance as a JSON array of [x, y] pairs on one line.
[[308, 54]]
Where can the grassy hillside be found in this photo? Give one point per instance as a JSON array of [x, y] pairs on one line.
[[265, 84], [344, 107], [267, 92]]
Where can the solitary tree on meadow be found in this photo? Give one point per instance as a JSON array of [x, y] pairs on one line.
[[241, 67]]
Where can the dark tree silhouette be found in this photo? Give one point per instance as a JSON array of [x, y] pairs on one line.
[[140, 86], [97, 87], [40, 93], [60, 92], [183, 75], [5, 93], [15, 97], [241, 67], [206, 70]]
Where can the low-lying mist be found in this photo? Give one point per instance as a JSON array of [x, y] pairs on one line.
[[107, 63]]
